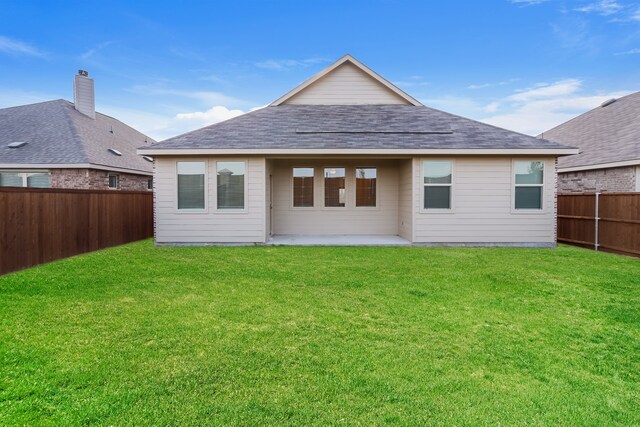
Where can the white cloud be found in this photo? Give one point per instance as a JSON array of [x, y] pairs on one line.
[[284, 64], [629, 52], [528, 2], [602, 7], [534, 110], [17, 47], [543, 90], [213, 115], [207, 97], [486, 85], [90, 52]]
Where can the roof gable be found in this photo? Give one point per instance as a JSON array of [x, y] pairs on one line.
[[346, 82]]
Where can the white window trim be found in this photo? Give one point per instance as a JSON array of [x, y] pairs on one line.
[[315, 185], [206, 187], [245, 210], [23, 174], [452, 205], [638, 179], [355, 189], [542, 209], [117, 187], [347, 205]]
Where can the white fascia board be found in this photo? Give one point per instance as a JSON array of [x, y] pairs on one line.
[[356, 152], [600, 166], [71, 166]]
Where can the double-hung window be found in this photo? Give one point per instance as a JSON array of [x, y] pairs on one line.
[[529, 183], [335, 193], [303, 187], [437, 183], [366, 187], [191, 185], [24, 179], [114, 181], [230, 176]]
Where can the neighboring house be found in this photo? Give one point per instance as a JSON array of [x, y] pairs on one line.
[[61, 144], [609, 141], [348, 153]]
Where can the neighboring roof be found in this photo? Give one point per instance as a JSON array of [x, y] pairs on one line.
[[57, 134], [347, 58], [344, 127], [605, 135]]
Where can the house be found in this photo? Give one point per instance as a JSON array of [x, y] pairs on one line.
[[347, 157], [609, 141], [61, 144]]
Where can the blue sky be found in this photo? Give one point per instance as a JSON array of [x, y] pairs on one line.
[[169, 67]]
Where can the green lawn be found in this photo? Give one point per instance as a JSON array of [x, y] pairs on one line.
[[324, 336]]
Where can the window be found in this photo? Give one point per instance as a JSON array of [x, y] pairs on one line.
[[334, 187], [191, 185], [230, 185], [528, 183], [24, 179], [366, 187], [150, 184], [437, 184], [303, 187], [114, 181]]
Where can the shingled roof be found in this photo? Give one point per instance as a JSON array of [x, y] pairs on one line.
[[352, 127], [56, 134], [606, 134]]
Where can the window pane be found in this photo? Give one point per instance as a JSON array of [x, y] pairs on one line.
[[528, 198], [366, 186], [38, 179], [230, 185], [437, 172], [303, 187], [437, 197], [113, 181], [191, 185], [334, 188], [529, 172], [10, 179]]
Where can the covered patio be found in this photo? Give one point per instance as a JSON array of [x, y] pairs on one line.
[[336, 240]]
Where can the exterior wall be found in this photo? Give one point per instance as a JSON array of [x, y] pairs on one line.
[[405, 200], [95, 179], [210, 225], [347, 84], [482, 202], [380, 220], [620, 179]]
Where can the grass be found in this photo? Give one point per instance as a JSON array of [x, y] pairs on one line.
[[325, 336]]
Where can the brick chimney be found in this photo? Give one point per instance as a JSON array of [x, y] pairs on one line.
[[83, 94]]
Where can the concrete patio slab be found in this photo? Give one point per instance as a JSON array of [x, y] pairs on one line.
[[336, 240]]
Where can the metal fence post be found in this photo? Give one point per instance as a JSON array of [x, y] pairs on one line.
[[595, 243]]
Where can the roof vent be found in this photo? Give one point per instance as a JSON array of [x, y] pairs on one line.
[[16, 144], [114, 151], [608, 102], [147, 158]]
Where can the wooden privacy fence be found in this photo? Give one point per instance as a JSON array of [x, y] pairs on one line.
[[38, 225], [602, 221]]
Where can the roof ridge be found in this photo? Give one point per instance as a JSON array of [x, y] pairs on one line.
[[67, 110]]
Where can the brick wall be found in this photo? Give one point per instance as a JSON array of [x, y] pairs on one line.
[[598, 180], [95, 179]]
